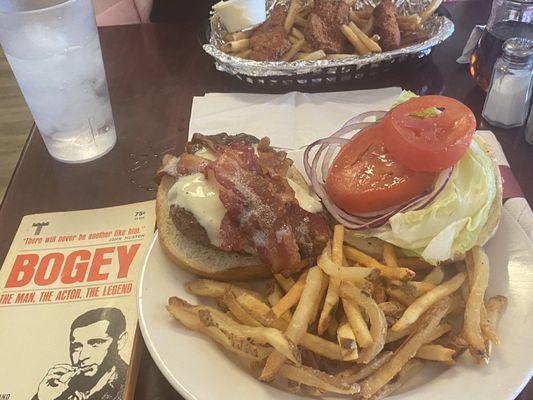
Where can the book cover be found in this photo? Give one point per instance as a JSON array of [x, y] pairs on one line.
[[68, 313]]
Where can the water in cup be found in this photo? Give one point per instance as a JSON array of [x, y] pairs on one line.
[[58, 65]]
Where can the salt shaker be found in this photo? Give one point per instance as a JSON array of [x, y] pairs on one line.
[[507, 101]]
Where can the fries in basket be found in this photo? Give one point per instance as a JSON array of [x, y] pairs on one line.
[[378, 341], [315, 30]]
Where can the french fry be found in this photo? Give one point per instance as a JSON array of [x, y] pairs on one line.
[[414, 263], [332, 295], [293, 39], [232, 37], [439, 331], [261, 335], [338, 56], [273, 293], [378, 323], [424, 302], [346, 340], [320, 299], [392, 308], [365, 14], [318, 379], [235, 46], [354, 17], [410, 369], [299, 322], [358, 45], [297, 33], [211, 317], [216, 289], [369, 43], [412, 289], [295, 48], [312, 342], [323, 347], [237, 310], [472, 316], [245, 54], [494, 307], [435, 277], [400, 295], [393, 336], [389, 255], [255, 306], [424, 15], [357, 323], [368, 26], [336, 270], [285, 283], [290, 299], [386, 272], [371, 246], [360, 372], [181, 311], [315, 55], [299, 20], [291, 15], [306, 10], [428, 323], [436, 352], [330, 303], [409, 23]]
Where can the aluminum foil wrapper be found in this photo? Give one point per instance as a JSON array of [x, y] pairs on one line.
[[438, 28]]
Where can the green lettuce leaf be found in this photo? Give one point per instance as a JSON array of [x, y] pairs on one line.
[[426, 112], [452, 223], [403, 97]]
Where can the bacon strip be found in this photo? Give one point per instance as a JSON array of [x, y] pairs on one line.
[[251, 201], [186, 164]]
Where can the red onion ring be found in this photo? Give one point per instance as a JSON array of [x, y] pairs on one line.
[[363, 220]]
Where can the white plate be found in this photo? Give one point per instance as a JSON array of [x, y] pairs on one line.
[[199, 370]]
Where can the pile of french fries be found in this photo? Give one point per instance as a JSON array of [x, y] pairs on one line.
[[359, 33], [361, 322]]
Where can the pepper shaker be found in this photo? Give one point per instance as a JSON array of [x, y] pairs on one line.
[[507, 101]]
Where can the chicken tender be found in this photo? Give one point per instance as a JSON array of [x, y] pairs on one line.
[[386, 25], [323, 27]]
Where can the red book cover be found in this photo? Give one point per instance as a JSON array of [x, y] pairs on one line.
[[68, 312]]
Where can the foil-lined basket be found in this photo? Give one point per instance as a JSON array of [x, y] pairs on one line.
[[308, 73]]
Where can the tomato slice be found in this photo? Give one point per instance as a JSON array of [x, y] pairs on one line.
[[429, 143], [364, 177]]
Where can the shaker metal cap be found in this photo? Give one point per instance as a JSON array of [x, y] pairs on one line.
[[518, 50]]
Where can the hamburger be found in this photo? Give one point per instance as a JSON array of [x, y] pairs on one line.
[[233, 207]]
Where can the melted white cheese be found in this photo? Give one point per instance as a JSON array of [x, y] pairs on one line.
[[199, 196], [308, 201]]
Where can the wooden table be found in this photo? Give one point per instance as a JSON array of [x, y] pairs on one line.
[[153, 72]]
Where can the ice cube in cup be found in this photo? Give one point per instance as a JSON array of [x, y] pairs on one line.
[[54, 51], [237, 15]]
